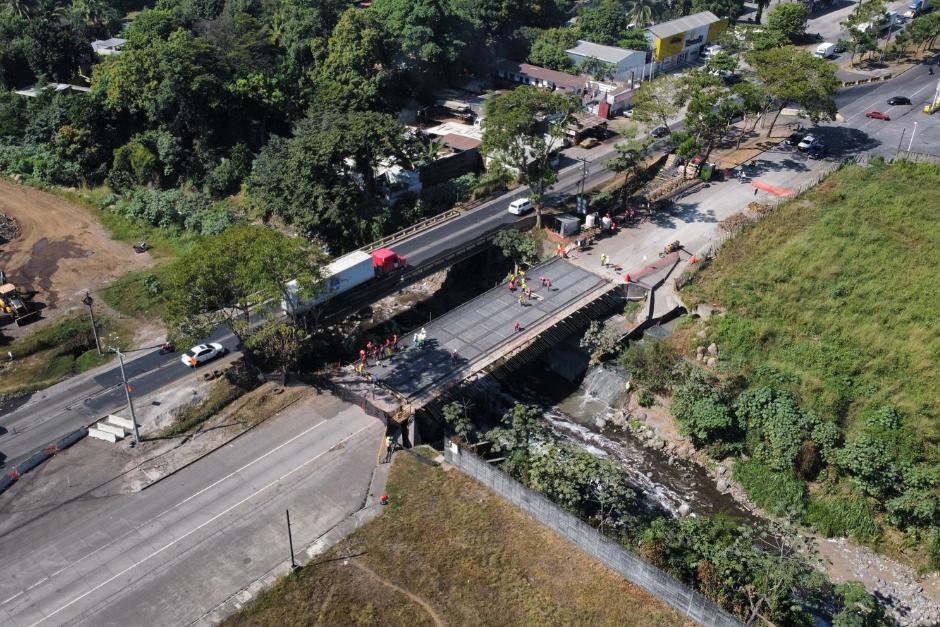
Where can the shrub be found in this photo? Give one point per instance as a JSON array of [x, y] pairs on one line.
[[39, 164], [777, 425], [652, 362], [175, 208], [780, 493], [701, 408], [844, 516]]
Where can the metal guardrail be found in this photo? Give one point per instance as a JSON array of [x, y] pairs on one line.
[[864, 81], [411, 230]]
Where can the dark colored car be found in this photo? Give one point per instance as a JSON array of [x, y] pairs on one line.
[[878, 115], [899, 100], [839, 49], [794, 138], [660, 131], [818, 151]]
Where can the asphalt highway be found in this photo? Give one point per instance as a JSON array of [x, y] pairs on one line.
[[171, 554], [57, 411]]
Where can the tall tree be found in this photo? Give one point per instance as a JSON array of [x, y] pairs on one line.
[[656, 101], [323, 179], [356, 72], [642, 12], [426, 32], [549, 49], [793, 76], [523, 129], [219, 281], [627, 162], [604, 23], [788, 21]]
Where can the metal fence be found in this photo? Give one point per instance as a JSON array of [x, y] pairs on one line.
[[658, 583]]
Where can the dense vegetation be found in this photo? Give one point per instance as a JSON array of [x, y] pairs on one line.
[[828, 377], [754, 573]]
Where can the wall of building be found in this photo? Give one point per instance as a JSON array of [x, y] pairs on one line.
[[687, 601]]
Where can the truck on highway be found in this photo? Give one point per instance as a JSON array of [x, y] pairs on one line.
[[343, 274], [918, 7], [825, 50]]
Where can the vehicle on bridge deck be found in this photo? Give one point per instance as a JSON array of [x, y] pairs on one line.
[[343, 274]]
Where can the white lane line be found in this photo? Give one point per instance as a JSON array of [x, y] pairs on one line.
[[161, 514], [18, 594], [192, 531]]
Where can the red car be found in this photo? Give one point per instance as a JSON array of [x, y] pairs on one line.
[[878, 115]]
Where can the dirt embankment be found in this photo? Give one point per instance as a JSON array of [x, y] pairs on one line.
[[60, 250]]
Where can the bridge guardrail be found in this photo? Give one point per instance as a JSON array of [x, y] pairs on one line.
[[411, 230]]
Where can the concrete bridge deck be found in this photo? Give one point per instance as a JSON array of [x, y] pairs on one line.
[[481, 331]]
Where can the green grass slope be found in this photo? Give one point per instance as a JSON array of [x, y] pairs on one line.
[[836, 294]]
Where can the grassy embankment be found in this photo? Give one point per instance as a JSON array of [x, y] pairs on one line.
[[467, 555], [135, 294], [835, 297], [55, 352]]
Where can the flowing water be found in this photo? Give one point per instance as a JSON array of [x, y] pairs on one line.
[[581, 408]]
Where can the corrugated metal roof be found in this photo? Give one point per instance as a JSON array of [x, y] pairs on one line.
[[683, 24], [562, 79], [607, 54], [460, 142]]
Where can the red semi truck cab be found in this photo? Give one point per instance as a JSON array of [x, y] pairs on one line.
[[386, 261]]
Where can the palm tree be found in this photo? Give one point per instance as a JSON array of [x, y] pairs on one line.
[[23, 8], [641, 12]]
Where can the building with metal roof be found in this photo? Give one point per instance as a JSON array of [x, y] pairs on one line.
[[681, 40], [624, 63]]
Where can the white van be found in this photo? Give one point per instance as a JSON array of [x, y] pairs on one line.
[[520, 206]]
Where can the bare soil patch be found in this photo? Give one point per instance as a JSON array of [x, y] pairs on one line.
[[60, 250]]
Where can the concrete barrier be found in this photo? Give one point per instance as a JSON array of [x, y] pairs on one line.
[[127, 423], [98, 434], [110, 428]]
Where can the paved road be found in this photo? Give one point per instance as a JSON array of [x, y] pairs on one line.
[[170, 554], [481, 326], [58, 410], [877, 137]]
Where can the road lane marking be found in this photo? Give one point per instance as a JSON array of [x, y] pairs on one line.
[[194, 530], [169, 509]]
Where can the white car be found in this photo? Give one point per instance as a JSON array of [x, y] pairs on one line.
[[201, 353], [520, 206], [808, 142]]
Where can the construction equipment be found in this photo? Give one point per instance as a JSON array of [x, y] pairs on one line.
[[12, 303], [670, 248]]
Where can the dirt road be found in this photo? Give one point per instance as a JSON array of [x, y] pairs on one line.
[[61, 250]]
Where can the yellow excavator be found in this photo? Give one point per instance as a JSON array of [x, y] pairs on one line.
[[12, 303]]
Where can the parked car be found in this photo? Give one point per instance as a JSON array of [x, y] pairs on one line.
[[807, 142], [660, 131], [794, 138], [878, 115], [201, 353], [589, 142], [520, 206], [839, 49], [817, 151], [899, 100]]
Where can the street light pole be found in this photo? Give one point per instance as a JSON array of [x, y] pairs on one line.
[[914, 132], [290, 540], [127, 393], [88, 301]]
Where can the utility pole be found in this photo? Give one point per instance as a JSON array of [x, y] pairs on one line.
[[914, 132], [127, 393], [900, 141], [294, 566], [88, 301], [581, 200]]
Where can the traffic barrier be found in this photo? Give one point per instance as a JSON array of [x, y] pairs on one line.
[[32, 461], [71, 438], [38, 457]]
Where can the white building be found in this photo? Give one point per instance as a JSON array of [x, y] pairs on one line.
[[107, 47], [627, 64]]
